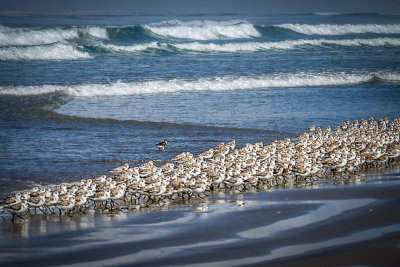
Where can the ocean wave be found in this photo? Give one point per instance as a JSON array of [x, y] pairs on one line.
[[203, 84], [132, 48], [23, 37], [335, 29], [251, 46], [284, 45], [57, 51], [97, 32], [204, 30]]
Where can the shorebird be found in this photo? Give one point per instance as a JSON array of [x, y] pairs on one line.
[[101, 196], [17, 210], [66, 205], [231, 144], [207, 154], [12, 200], [353, 147], [37, 202], [235, 181], [120, 169], [51, 200], [167, 168], [80, 201], [146, 166], [117, 193], [162, 144]]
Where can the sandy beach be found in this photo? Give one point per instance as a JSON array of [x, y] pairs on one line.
[[297, 109], [355, 223]]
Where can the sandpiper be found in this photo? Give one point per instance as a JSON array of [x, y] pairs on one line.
[[66, 205], [37, 202], [12, 200], [51, 200], [162, 144], [346, 149], [17, 209], [120, 169]]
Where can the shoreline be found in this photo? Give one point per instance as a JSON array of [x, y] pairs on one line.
[[225, 229], [351, 149], [281, 140]]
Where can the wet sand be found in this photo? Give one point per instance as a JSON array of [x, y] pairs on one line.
[[328, 224]]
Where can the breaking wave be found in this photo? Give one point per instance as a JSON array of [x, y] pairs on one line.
[[56, 51], [203, 84], [333, 29], [251, 46], [23, 37], [204, 30], [132, 48], [284, 45]]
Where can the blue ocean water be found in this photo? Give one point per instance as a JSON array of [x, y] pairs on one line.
[[80, 94]]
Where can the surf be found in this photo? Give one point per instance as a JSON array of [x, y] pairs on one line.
[[57, 51], [238, 47], [221, 83], [204, 30], [28, 36], [337, 29]]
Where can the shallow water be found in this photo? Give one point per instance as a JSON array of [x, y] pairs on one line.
[[82, 94]]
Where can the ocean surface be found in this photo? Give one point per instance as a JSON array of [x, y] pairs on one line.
[[82, 94]]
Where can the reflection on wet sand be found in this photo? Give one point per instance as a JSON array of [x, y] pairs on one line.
[[243, 227], [49, 223], [41, 224]]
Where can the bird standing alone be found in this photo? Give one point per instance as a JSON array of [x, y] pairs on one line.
[[162, 145]]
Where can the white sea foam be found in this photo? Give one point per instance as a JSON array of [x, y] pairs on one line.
[[132, 48], [204, 30], [389, 76], [10, 36], [97, 32], [333, 29], [22, 36], [252, 46], [285, 45], [204, 84], [56, 51]]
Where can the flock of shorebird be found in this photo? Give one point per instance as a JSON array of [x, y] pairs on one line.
[[348, 149]]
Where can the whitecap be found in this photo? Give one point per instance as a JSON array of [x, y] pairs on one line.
[[284, 45], [20, 36], [336, 29], [250, 46], [131, 48], [97, 32], [57, 51], [25, 36], [120, 88], [204, 30]]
